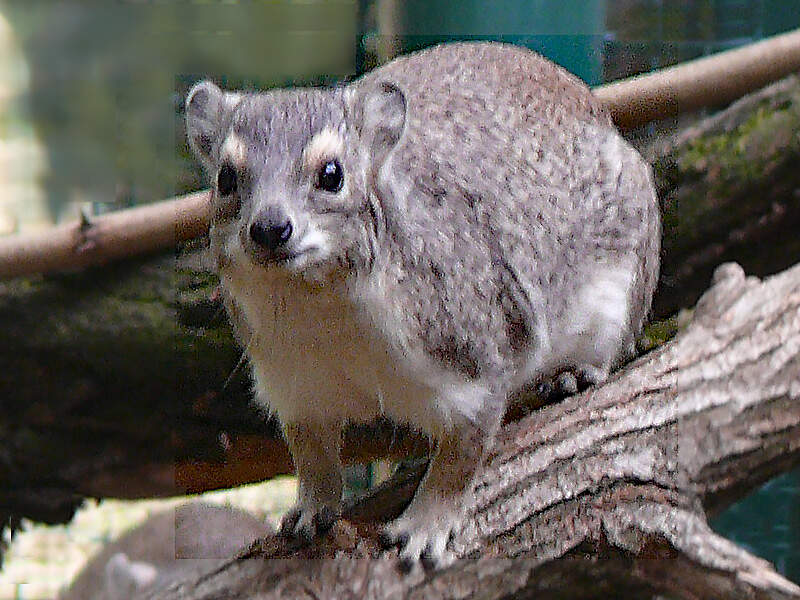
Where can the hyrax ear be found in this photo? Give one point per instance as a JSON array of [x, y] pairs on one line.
[[381, 110], [205, 108]]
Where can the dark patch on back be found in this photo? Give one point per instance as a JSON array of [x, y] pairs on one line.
[[204, 144], [508, 297], [437, 271], [439, 195], [471, 200], [512, 298], [458, 355]]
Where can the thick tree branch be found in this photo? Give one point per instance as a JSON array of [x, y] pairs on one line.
[[613, 483]]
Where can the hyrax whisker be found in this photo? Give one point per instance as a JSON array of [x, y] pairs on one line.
[[239, 364]]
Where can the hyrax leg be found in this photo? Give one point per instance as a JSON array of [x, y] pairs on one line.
[[425, 527], [315, 452]]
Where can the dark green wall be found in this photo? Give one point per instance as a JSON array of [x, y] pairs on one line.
[[781, 15], [570, 32]]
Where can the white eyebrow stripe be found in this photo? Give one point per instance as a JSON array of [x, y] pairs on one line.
[[234, 150], [323, 146]]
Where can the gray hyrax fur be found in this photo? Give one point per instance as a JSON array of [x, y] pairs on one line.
[[419, 244]]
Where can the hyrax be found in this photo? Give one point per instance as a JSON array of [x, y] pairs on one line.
[[419, 244]]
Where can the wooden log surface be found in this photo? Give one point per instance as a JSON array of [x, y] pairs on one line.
[[606, 493]]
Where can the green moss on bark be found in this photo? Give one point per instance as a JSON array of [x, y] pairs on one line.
[[731, 194]]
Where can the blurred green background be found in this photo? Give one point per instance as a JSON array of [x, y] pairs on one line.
[[91, 90], [91, 99], [100, 85]]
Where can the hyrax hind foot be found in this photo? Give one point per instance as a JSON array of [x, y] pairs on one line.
[[304, 523], [422, 536], [425, 528], [571, 382]]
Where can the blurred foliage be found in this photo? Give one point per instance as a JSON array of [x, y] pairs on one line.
[[659, 332], [108, 80]]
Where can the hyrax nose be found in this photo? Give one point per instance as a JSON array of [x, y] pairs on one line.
[[271, 229]]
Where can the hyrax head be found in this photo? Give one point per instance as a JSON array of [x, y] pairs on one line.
[[291, 172]]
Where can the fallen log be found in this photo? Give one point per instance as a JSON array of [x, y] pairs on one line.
[[608, 492]]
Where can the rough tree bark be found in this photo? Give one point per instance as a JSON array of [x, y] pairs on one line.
[[608, 491]]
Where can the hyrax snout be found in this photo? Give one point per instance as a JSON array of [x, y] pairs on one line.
[[419, 244]]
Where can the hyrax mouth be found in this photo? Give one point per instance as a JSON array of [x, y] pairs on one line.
[[272, 240], [276, 258], [289, 259]]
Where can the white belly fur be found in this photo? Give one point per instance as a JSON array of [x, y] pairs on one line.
[[313, 358], [593, 329]]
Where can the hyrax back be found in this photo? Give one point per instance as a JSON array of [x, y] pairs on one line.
[[420, 243]]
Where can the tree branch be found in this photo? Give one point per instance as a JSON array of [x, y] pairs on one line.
[[97, 241], [710, 81]]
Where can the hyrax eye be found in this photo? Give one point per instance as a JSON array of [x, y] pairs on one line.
[[226, 180], [330, 176]]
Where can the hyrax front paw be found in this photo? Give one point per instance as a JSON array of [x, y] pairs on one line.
[[422, 538], [304, 521], [315, 452]]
